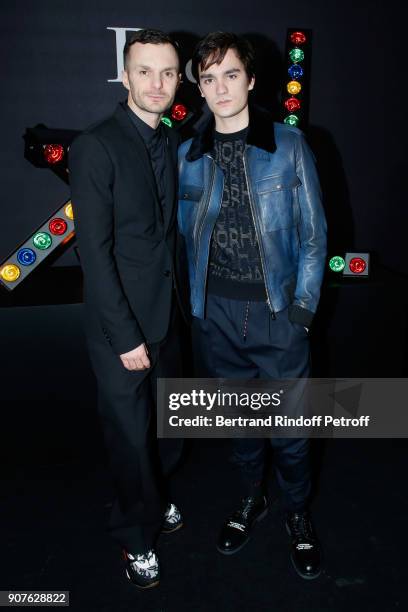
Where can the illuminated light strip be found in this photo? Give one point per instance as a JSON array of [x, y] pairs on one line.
[[298, 53], [352, 264], [40, 243]]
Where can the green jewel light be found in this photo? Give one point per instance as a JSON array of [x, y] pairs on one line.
[[42, 241], [296, 55], [337, 264], [167, 121], [291, 120]]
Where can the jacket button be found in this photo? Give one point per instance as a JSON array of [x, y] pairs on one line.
[[167, 273]]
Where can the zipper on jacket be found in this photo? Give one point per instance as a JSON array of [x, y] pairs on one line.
[[199, 232], [261, 251]]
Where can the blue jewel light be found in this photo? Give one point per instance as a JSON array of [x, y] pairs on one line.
[[295, 71], [26, 257]]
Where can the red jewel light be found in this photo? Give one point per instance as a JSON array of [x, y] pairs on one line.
[[178, 112], [298, 38], [292, 104], [53, 153], [58, 226], [357, 265]]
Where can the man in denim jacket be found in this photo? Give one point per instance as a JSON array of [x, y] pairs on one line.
[[251, 214]]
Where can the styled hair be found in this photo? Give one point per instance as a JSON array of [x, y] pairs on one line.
[[213, 48], [154, 37]]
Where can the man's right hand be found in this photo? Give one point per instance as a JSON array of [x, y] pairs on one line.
[[136, 359]]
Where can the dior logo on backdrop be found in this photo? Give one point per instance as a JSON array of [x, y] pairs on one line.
[[120, 40]]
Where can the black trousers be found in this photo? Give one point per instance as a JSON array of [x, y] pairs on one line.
[[241, 339], [126, 402]]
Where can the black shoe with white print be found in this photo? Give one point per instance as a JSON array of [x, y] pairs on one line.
[[172, 519], [237, 529], [142, 569], [306, 554]]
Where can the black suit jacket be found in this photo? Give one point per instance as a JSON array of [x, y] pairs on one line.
[[129, 246]]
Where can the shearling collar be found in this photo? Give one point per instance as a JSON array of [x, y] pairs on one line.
[[260, 133]]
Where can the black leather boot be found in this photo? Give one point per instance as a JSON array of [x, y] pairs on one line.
[[306, 556], [236, 530]]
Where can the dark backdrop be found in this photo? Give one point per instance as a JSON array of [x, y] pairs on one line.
[[58, 61], [57, 58]]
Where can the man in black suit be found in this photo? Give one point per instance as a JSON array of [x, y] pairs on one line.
[[123, 183]]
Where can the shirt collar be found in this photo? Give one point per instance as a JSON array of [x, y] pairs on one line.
[[145, 130]]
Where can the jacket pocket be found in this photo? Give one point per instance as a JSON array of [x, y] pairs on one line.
[[192, 193], [277, 202]]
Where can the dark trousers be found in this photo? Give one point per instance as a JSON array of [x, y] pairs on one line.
[[241, 339], [126, 402]]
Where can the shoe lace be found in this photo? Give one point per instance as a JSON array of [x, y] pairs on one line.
[[241, 515], [301, 527], [247, 505]]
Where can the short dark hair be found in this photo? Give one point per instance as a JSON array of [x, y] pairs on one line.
[[213, 48], [154, 37]]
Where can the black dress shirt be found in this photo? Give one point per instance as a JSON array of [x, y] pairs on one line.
[[155, 141]]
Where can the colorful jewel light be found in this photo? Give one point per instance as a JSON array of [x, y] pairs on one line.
[[294, 87], [291, 120], [337, 264], [57, 226], [296, 55], [178, 112], [69, 211], [56, 231], [167, 121], [357, 265], [26, 257], [298, 38], [42, 241], [53, 153], [292, 104], [10, 273], [295, 71]]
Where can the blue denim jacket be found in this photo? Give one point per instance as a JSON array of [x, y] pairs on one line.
[[285, 200]]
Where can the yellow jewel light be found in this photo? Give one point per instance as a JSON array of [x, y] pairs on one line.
[[294, 87], [69, 211], [10, 273]]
